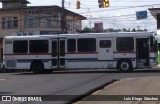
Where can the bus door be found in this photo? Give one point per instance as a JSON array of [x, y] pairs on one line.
[[54, 50], [142, 51], [61, 56], [58, 53], [105, 49]]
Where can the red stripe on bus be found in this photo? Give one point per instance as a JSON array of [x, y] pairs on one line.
[[29, 54], [124, 52], [81, 53]]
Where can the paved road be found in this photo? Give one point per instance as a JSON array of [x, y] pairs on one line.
[[61, 83], [139, 90]]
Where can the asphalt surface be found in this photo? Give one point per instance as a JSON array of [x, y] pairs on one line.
[[62, 83], [140, 90]]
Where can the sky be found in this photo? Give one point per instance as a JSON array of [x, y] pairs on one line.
[[120, 14]]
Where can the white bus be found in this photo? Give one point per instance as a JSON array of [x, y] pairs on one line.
[[39, 53]]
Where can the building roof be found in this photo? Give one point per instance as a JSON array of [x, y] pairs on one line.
[[10, 1], [42, 7], [154, 11]]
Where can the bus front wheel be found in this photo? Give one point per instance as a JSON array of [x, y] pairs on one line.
[[125, 66], [37, 67]]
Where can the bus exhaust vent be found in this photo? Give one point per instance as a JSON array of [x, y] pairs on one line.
[[11, 63]]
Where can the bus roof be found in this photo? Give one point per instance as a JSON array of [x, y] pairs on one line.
[[32, 37], [112, 34]]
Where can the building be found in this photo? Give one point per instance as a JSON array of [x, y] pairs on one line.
[[19, 19], [156, 14]]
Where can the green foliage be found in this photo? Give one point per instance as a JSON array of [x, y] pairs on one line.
[[91, 30], [87, 30]]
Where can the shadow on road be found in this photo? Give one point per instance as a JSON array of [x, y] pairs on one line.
[[2, 93], [90, 71]]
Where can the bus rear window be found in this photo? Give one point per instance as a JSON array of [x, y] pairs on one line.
[[38, 46], [20, 46], [125, 44]]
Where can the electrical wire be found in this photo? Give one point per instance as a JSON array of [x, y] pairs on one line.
[[123, 18]]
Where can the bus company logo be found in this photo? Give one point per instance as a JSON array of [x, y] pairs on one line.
[[6, 98]]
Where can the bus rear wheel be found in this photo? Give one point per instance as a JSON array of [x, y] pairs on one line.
[[125, 66], [37, 67]]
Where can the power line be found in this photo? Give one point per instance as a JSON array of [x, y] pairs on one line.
[[115, 16], [122, 8], [122, 17], [125, 19], [95, 1]]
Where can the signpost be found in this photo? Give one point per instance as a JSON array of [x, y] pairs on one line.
[[141, 15]]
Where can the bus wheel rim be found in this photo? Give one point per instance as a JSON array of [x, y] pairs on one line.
[[124, 66]]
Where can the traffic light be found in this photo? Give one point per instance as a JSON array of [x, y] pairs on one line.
[[106, 3], [78, 4], [100, 3]]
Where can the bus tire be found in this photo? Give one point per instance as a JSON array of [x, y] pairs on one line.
[[3, 70], [125, 66], [37, 67], [48, 71]]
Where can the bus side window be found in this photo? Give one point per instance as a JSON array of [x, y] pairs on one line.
[[54, 48], [125, 44], [71, 45], [38, 46], [20, 46], [86, 45]]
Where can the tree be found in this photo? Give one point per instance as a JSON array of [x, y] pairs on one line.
[[109, 30], [87, 30], [133, 30], [124, 30], [145, 30]]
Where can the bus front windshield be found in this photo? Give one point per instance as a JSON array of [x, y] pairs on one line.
[[153, 44]]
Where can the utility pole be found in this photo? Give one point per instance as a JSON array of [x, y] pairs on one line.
[[63, 17]]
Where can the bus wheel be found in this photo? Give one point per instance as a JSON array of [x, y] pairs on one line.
[[48, 71], [37, 67], [125, 66]]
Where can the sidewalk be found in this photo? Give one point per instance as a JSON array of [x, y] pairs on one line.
[[129, 86]]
